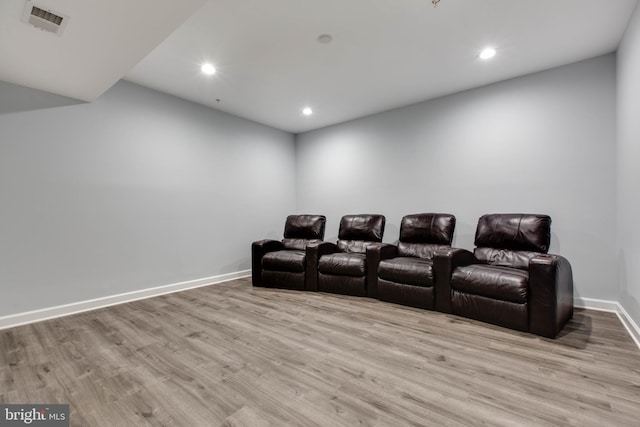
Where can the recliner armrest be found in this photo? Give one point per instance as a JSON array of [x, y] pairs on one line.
[[313, 253], [382, 250], [258, 249], [550, 294], [268, 245], [444, 262], [375, 253]]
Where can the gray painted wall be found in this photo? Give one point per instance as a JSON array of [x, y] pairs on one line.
[[135, 190], [543, 143], [629, 168], [15, 98], [140, 189]]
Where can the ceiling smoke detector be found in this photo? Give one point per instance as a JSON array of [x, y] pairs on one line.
[[43, 18]]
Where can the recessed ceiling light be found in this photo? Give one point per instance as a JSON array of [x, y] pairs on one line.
[[307, 111], [208, 69], [488, 53]]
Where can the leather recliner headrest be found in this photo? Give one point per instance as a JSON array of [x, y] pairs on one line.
[[519, 232], [305, 227], [432, 228], [362, 227]]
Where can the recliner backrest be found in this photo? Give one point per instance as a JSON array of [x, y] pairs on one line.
[[300, 230], [511, 240], [422, 234], [359, 231]]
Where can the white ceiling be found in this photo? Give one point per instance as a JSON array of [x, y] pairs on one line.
[[384, 54], [101, 42]]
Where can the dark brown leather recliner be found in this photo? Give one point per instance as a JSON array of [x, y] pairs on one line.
[[285, 264], [509, 280], [343, 267], [405, 272]]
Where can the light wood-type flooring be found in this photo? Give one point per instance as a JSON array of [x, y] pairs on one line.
[[234, 355]]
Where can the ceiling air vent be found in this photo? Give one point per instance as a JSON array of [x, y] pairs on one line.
[[43, 18]]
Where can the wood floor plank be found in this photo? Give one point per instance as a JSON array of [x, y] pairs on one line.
[[234, 355]]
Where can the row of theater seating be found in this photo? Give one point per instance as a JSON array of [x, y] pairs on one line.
[[508, 280]]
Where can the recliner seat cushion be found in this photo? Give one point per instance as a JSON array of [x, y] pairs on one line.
[[288, 260], [420, 250], [405, 270], [505, 257], [501, 283], [345, 264], [353, 246], [298, 244]]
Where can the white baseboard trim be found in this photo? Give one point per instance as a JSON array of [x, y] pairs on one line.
[[596, 304], [629, 324], [612, 307], [19, 319]]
